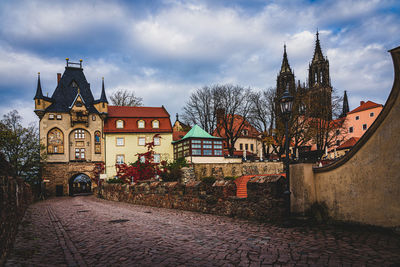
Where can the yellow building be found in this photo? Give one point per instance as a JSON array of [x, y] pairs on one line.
[[128, 129]]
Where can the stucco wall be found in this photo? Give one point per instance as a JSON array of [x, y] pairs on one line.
[[131, 148], [363, 186], [220, 170]]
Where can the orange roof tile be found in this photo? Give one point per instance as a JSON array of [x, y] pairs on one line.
[[365, 106], [252, 132], [131, 116], [349, 143]]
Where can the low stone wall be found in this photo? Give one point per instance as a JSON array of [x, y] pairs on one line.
[[220, 170], [15, 196], [265, 199]]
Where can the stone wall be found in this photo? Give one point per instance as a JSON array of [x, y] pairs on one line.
[[220, 170], [15, 196], [265, 199], [364, 185], [59, 174]]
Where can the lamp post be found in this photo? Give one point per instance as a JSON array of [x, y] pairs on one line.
[[286, 103]]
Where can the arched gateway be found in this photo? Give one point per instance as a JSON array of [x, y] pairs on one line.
[[80, 183]]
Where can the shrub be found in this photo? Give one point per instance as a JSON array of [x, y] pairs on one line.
[[115, 181], [172, 171], [208, 179], [230, 178]]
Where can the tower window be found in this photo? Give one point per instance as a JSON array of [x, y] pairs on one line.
[[93, 117], [80, 134], [59, 117], [51, 116]]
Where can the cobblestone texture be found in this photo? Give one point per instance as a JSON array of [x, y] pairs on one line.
[[85, 231]]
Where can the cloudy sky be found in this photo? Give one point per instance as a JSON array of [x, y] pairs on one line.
[[163, 50]]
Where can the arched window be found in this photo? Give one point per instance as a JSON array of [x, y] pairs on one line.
[[55, 141], [97, 142], [156, 124], [141, 124], [119, 124]]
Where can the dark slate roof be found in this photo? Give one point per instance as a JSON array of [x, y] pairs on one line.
[[65, 94], [103, 98], [39, 93]]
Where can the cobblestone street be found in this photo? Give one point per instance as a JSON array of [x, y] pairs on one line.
[[86, 231]]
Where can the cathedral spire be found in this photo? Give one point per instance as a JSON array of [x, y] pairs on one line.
[[39, 93], [103, 97], [285, 63], [317, 51], [345, 108]]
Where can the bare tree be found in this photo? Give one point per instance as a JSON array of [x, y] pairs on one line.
[[126, 98], [262, 117], [201, 110], [233, 105]]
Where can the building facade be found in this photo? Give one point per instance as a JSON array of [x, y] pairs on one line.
[[71, 129], [128, 129]]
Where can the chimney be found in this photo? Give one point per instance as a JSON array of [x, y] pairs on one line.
[[58, 78], [220, 114], [362, 103]]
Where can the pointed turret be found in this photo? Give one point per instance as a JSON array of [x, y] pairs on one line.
[[345, 108], [39, 93], [285, 63], [102, 104], [103, 98], [317, 51]]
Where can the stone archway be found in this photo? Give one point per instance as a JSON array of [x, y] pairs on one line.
[[79, 184]]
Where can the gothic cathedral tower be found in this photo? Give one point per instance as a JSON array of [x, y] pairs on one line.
[[319, 84], [285, 79]]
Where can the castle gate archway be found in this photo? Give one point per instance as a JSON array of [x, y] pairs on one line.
[[80, 183]]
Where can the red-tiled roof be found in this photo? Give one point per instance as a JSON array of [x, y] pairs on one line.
[[252, 132], [177, 135], [137, 112], [131, 115], [365, 106], [349, 143]]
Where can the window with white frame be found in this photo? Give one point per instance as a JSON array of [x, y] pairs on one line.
[[79, 134], [157, 158], [51, 116], [156, 124], [120, 141], [120, 159], [157, 141], [141, 124], [120, 124], [59, 117], [142, 141], [142, 159]]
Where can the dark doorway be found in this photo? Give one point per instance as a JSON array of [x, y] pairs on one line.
[[80, 184], [59, 190]]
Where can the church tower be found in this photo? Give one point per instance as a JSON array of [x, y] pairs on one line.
[[285, 79], [319, 84]]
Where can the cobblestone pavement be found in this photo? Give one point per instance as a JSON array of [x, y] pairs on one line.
[[85, 231]]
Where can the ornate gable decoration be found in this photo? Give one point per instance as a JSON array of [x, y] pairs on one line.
[[78, 111]]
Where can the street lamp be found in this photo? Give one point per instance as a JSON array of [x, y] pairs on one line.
[[286, 103]]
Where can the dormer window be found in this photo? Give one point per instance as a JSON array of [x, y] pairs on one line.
[[141, 124], [156, 124], [74, 84], [120, 124]]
